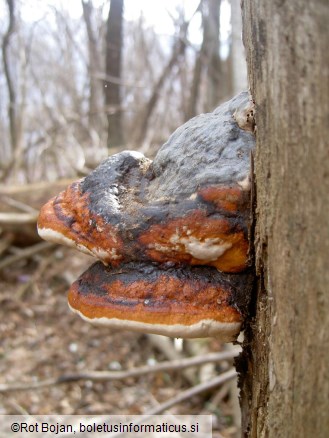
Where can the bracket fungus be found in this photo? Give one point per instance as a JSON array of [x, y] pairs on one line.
[[171, 235]]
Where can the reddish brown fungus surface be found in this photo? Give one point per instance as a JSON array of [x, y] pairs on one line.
[[189, 209]]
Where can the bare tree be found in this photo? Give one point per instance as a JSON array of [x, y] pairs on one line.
[[54, 67], [12, 161], [285, 373], [215, 75], [208, 65], [94, 68], [12, 105], [114, 45], [238, 57], [177, 52]]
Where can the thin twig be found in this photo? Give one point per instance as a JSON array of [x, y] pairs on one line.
[[191, 392], [18, 204], [45, 262], [18, 218], [5, 242], [185, 395], [166, 346], [25, 253], [120, 375]]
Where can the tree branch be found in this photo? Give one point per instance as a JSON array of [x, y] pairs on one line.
[[100, 376], [191, 392]]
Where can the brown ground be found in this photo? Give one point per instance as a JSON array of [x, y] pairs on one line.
[[40, 339]]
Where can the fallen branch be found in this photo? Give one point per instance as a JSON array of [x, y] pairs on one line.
[[191, 392], [100, 376], [166, 347], [195, 390]]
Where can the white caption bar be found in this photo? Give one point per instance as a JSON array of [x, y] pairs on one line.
[[109, 426]]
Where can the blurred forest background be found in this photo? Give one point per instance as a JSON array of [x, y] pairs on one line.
[[80, 80]]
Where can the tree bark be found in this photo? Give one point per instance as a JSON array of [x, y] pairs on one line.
[[284, 370], [114, 44]]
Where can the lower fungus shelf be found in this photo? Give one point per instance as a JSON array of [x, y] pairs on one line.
[[182, 301]]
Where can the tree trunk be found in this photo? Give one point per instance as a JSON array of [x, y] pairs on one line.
[[114, 44], [12, 106], [94, 69], [238, 58], [215, 75], [207, 60], [284, 370]]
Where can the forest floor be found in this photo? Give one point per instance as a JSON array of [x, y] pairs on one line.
[[41, 339]]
